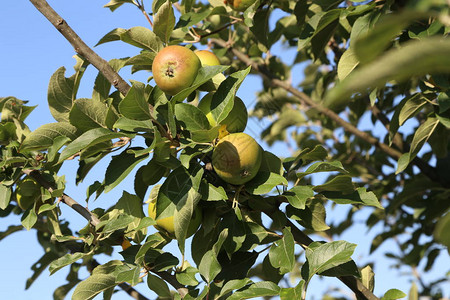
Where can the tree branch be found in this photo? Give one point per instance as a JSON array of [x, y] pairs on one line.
[[93, 220], [305, 99], [80, 46], [66, 199], [131, 291]]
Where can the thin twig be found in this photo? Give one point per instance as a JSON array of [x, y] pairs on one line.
[[66, 199], [140, 5]]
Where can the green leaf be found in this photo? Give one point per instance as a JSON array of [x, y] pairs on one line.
[[127, 124], [209, 266], [232, 285], [113, 35], [114, 4], [347, 63], [144, 60], [367, 47], [411, 107], [441, 231], [187, 276], [87, 114], [204, 74], [59, 95], [213, 193], [415, 58], [271, 163], [89, 139], [119, 167], [159, 286], [281, 253], [121, 222], [332, 166], [65, 260], [164, 21], [407, 108], [237, 266], [132, 276], [312, 217], [393, 294], [340, 183], [421, 136], [152, 172], [29, 218], [134, 105], [102, 86], [142, 37], [360, 196], [293, 293], [322, 257], [191, 117], [205, 136], [178, 197], [222, 101], [257, 289], [93, 285], [298, 195], [305, 156], [264, 182], [5, 196], [43, 137], [183, 214], [346, 269], [368, 278], [325, 29]]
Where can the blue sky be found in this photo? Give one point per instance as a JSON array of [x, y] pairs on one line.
[[31, 50]]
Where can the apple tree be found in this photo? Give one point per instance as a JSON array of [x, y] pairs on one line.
[[368, 129]]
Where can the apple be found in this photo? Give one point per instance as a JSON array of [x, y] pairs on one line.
[[27, 193], [175, 68], [237, 158], [240, 5], [168, 225], [207, 58], [236, 121]]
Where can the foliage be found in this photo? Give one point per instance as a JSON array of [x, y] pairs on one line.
[[385, 62]]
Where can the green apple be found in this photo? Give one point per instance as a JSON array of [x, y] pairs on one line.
[[207, 58], [175, 68], [236, 121], [27, 193], [168, 225], [237, 158]]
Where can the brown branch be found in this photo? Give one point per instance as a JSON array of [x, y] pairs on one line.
[[93, 220], [305, 99], [80, 46], [37, 176], [131, 291]]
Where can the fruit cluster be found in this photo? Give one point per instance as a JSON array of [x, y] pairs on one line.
[[236, 157]]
